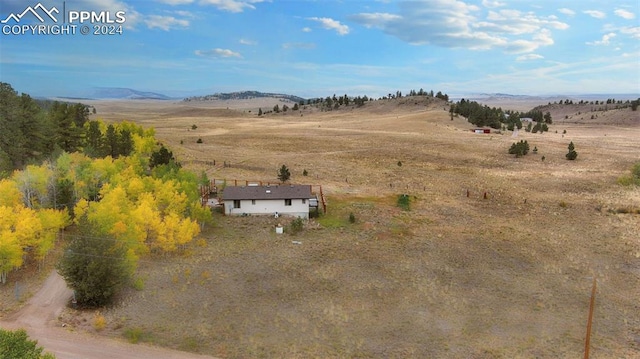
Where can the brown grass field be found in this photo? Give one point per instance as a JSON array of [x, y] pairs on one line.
[[456, 276]]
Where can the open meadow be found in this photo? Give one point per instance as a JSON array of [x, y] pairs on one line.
[[494, 259]]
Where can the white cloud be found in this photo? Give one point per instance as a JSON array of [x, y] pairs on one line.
[[218, 53], [528, 57], [248, 42], [165, 23], [634, 32], [566, 11], [605, 40], [455, 24], [232, 5], [595, 13], [184, 13], [492, 3], [625, 14], [306, 29], [331, 24], [376, 19]]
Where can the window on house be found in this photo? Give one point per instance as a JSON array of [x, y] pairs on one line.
[[287, 202], [253, 201], [304, 201], [236, 203]]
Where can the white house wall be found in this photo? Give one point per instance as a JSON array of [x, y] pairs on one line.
[[270, 207]]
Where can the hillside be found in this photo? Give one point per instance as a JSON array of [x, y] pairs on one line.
[[620, 114], [244, 95]]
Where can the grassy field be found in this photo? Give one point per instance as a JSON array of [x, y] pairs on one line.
[[457, 275]]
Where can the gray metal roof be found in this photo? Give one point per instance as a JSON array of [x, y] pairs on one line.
[[267, 192]]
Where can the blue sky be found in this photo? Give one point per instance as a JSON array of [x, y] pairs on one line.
[[318, 48]]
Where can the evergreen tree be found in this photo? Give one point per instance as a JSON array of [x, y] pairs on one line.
[[284, 174], [125, 143], [519, 149], [94, 265], [94, 140], [572, 154], [17, 345], [68, 122], [161, 157], [111, 142]]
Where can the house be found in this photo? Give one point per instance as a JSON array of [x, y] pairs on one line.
[[289, 200]]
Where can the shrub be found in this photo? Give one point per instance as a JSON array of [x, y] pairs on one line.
[[193, 127], [99, 322], [199, 140], [305, 172], [352, 218], [633, 178], [296, 226], [138, 284], [133, 335], [404, 202]]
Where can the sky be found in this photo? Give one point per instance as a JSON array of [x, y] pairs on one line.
[[319, 48]]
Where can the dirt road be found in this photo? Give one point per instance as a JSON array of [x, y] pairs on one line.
[[38, 318]]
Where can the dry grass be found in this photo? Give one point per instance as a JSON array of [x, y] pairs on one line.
[[456, 276]]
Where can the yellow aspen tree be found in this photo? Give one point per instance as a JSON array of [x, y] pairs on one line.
[[200, 213], [170, 200], [135, 188], [80, 210], [186, 231], [144, 145], [166, 240], [10, 195], [11, 251], [27, 227], [147, 220], [33, 184], [52, 222]]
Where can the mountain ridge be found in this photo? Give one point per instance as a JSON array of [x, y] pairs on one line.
[[243, 95]]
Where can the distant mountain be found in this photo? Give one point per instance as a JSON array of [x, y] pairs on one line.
[[244, 95], [556, 97], [125, 94]]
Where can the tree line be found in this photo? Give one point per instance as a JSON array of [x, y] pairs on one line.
[[123, 192], [335, 102], [483, 115]]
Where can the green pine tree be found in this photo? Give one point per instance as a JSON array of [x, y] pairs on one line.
[[572, 154]]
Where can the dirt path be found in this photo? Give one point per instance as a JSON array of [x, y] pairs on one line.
[[38, 318]]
